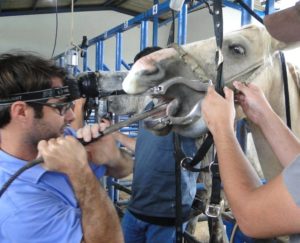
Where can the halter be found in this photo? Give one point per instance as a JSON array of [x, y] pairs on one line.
[[190, 61], [213, 210], [199, 86]]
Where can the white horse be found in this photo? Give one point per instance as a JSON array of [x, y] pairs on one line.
[[250, 55]]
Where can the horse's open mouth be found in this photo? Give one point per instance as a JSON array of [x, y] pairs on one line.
[[160, 120]]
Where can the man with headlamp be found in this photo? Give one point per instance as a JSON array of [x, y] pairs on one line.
[[59, 200]]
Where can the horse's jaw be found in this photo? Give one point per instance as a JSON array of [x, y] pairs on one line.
[[180, 115], [193, 130]]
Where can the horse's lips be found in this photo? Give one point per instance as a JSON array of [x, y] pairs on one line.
[[157, 122]]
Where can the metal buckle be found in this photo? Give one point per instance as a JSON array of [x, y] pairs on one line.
[[219, 57], [184, 159], [210, 165], [214, 210]]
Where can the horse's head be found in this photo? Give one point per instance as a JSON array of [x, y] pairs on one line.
[[180, 76]]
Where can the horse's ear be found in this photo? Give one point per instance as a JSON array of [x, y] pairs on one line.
[[275, 44], [279, 45]]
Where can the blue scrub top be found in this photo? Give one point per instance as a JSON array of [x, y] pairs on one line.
[[39, 206], [153, 185]]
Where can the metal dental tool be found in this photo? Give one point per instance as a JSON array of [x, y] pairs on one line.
[[127, 122]]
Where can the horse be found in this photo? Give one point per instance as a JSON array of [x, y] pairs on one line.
[[250, 55], [180, 76]]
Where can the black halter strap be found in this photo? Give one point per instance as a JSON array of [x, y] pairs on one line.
[[250, 11], [202, 151], [213, 209], [218, 27], [179, 156], [286, 90]]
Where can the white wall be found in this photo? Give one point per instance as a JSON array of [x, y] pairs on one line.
[[36, 32]]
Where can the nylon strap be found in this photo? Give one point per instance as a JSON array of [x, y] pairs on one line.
[[286, 90], [216, 180], [250, 11], [202, 151], [218, 27], [179, 156]]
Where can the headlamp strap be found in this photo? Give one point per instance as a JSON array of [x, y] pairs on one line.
[[39, 95]]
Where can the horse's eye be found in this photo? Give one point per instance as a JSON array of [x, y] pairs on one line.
[[237, 50]]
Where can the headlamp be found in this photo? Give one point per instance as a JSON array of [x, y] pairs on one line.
[[69, 91], [89, 85]]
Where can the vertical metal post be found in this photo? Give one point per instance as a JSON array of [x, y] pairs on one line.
[[101, 55], [85, 63], [155, 23], [144, 34], [112, 192], [270, 7], [118, 51], [182, 25], [246, 17], [97, 57], [61, 61], [110, 188]]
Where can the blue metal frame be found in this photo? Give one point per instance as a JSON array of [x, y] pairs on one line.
[[153, 14], [155, 23], [182, 25], [118, 51], [246, 17], [141, 20], [99, 56], [144, 35]]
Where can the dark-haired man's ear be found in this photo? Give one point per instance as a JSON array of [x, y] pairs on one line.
[[20, 111]]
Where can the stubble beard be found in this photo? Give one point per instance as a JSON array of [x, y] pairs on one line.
[[42, 130]]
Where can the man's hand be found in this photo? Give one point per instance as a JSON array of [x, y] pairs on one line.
[[252, 100], [102, 151], [218, 112], [58, 154]]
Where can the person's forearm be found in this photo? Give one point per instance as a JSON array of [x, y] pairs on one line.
[[122, 166], [100, 222], [237, 174], [283, 142], [125, 140]]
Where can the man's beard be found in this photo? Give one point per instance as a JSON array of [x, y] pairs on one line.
[[43, 131]]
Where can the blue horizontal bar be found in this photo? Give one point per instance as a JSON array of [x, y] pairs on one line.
[[162, 8]]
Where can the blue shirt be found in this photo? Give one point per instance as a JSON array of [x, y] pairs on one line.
[[39, 206], [153, 185]]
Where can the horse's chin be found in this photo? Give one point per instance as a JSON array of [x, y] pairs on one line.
[[163, 132], [157, 128]]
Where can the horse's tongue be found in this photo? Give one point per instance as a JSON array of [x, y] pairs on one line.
[[172, 107]]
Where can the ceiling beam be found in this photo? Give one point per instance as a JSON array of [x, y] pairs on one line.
[[49, 10], [35, 2], [120, 2], [108, 3]]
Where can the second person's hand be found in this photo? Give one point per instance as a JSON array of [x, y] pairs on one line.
[[252, 100]]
